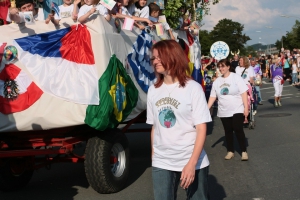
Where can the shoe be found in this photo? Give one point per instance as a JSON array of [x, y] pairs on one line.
[[244, 156], [279, 103], [260, 103], [254, 112], [276, 104], [229, 155]]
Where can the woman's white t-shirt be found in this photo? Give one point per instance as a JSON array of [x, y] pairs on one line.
[[86, 8], [295, 69], [174, 118], [229, 90], [134, 11], [249, 72]]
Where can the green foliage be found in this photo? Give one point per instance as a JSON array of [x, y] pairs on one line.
[[173, 14], [292, 39], [205, 41]]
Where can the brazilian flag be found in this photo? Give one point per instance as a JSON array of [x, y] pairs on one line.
[[118, 96]]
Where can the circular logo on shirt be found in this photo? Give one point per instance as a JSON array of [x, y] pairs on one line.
[[244, 76], [224, 91], [167, 118]]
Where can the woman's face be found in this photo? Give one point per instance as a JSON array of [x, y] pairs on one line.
[[124, 2], [241, 61], [156, 63], [142, 3], [223, 68]]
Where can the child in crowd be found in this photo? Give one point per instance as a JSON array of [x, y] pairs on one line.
[[294, 73], [129, 13], [89, 8], [139, 9], [184, 21], [66, 10], [154, 11]]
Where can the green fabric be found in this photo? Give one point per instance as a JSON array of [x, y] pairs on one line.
[[118, 96]]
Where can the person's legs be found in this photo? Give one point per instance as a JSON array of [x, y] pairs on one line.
[[294, 78], [280, 88], [258, 94], [276, 87], [198, 190], [227, 124], [165, 183], [237, 124]]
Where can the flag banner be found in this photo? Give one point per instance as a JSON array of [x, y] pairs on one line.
[[109, 4], [159, 29], [139, 60], [128, 24], [62, 63], [27, 92], [118, 96]]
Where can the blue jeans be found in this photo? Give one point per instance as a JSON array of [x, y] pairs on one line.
[[259, 99], [294, 78], [166, 182]]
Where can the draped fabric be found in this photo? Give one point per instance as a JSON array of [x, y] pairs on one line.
[[62, 63]]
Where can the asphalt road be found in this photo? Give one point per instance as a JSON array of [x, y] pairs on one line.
[[272, 172]]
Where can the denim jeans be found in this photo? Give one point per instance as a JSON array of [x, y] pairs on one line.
[[259, 99], [166, 182], [294, 78]]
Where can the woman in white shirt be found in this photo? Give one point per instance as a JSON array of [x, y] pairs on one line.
[[178, 113], [231, 92]]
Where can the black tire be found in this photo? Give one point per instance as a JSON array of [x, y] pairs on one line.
[[11, 180], [104, 176]]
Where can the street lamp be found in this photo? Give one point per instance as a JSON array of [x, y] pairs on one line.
[[270, 27]]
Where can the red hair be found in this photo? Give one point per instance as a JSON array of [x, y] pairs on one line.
[[173, 59]]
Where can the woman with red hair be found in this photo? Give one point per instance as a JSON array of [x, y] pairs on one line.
[[178, 113]]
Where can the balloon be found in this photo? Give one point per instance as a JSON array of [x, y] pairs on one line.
[[10, 54]]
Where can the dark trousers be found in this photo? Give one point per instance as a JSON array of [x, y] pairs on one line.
[[234, 124]]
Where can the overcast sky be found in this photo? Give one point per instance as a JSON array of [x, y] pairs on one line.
[[255, 15]]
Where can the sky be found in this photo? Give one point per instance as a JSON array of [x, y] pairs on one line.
[[255, 15]]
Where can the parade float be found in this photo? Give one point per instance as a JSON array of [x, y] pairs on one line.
[[61, 86]]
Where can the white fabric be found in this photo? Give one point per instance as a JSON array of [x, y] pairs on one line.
[[174, 118], [49, 71], [294, 67], [278, 88], [38, 17], [229, 90], [125, 11], [65, 11], [86, 8], [247, 74]]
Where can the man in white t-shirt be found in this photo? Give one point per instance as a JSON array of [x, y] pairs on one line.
[[16, 14]]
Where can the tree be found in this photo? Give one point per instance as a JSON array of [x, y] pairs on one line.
[[249, 50], [292, 39], [231, 33], [205, 41]]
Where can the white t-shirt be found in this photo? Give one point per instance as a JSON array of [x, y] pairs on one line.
[[294, 66], [174, 112], [229, 90], [125, 11], [65, 11], [38, 17], [247, 74], [86, 8], [143, 13]]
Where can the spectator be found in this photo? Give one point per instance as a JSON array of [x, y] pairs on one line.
[[234, 63], [4, 11], [90, 7]]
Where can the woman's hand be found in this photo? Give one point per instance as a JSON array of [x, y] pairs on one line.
[[187, 175]]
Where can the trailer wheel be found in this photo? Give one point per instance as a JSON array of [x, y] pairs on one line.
[[107, 161], [14, 174]]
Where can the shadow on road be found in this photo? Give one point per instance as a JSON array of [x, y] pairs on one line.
[[215, 190]]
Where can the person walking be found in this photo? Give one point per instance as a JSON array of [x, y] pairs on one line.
[[257, 80], [294, 73], [276, 71], [231, 91], [178, 113]]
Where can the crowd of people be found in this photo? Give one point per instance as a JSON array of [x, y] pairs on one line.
[[80, 10]]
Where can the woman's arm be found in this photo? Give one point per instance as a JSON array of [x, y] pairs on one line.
[[84, 17], [211, 101], [188, 172], [75, 9], [245, 102]]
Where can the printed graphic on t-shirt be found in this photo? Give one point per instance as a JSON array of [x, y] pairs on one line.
[[224, 89], [167, 117], [65, 14], [244, 76], [136, 13]]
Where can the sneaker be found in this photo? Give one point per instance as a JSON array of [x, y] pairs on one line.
[[244, 156], [279, 103], [260, 103], [276, 104], [229, 155], [254, 112]]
